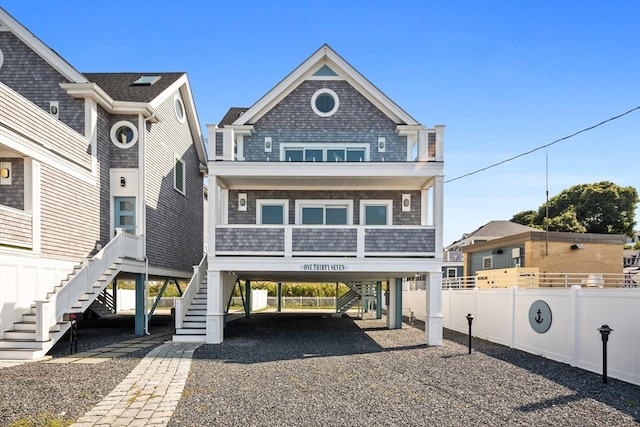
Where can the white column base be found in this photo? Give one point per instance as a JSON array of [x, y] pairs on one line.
[[433, 330], [215, 328]]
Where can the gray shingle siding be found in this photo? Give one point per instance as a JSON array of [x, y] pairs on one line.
[[121, 157], [31, 76], [399, 218], [385, 240], [174, 220], [356, 121], [324, 239], [13, 195], [242, 239], [70, 215]]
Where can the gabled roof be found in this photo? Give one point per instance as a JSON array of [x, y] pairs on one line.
[[341, 70], [497, 229], [232, 115], [45, 52], [121, 87]]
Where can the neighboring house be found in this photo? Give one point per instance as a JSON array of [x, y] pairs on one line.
[[550, 255], [81, 156], [453, 265], [323, 179]]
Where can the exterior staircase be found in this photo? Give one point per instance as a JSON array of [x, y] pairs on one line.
[[358, 291], [45, 321], [194, 328], [104, 306], [191, 307]]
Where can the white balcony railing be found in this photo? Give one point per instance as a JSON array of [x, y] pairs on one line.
[[331, 240], [544, 280]]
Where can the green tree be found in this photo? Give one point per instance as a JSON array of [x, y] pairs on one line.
[[602, 207]]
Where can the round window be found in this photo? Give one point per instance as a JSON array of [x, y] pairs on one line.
[[124, 134], [179, 107], [324, 102], [1, 58]]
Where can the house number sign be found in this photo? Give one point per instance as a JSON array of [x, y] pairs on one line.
[[324, 267], [540, 316]]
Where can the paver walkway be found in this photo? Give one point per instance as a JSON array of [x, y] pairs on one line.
[[149, 394]]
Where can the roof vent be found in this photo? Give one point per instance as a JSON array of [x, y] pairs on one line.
[[146, 80]]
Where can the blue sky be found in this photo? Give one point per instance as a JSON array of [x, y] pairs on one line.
[[504, 76]]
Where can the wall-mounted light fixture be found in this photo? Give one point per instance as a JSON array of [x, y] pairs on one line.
[[123, 181], [5, 173], [497, 251], [382, 142], [54, 108], [242, 201], [406, 203], [267, 144]]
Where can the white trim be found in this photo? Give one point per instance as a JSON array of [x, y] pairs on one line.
[[323, 203], [48, 156], [325, 55], [179, 109], [325, 147], [44, 51], [182, 190], [1, 58], [272, 202], [388, 203], [336, 102], [116, 127]]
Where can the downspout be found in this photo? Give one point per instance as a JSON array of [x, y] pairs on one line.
[[143, 141]]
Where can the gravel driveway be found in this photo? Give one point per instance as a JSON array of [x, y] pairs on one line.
[[315, 370]]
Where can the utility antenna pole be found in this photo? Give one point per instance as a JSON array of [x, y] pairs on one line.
[[546, 215]]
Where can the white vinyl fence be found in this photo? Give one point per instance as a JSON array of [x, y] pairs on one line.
[[502, 316]]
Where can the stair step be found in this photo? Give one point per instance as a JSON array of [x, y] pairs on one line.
[[195, 317], [191, 331], [188, 338], [194, 325], [22, 344]]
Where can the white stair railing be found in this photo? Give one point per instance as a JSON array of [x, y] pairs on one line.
[[48, 311], [183, 303]]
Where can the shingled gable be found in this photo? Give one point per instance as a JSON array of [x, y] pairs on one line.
[[326, 57], [44, 51]]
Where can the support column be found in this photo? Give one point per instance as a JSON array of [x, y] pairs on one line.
[[215, 308], [140, 319], [394, 305], [279, 297], [433, 318], [379, 300], [247, 291]]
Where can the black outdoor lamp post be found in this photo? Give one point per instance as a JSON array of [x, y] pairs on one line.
[[605, 330], [470, 321]]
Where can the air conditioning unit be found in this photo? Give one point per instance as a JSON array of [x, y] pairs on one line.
[[515, 253]]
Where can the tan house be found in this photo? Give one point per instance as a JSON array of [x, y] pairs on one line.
[[537, 258]]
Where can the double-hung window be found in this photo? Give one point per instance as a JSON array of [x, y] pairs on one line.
[[376, 212], [272, 211], [324, 212]]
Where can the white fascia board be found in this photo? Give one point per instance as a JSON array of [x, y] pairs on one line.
[[44, 155], [326, 55], [44, 51], [245, 130], [94, 92]]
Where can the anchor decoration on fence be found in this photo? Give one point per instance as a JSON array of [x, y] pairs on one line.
[[540, 316]]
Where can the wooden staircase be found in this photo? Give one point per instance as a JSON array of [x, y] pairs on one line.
[[44, 322], [194, 326]]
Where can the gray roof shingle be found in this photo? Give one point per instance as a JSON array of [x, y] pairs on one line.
[[120, 87]]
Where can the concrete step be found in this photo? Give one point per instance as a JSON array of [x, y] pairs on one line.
[[22, 354], [22, 344]]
